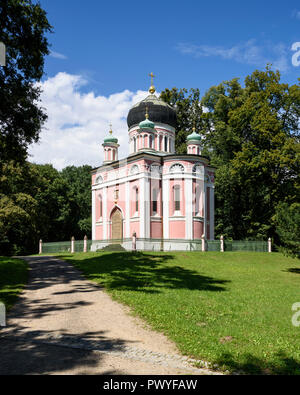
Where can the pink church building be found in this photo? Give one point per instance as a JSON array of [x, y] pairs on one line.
[[164, 200]]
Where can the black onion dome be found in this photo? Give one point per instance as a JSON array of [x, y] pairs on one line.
[[158, 110]]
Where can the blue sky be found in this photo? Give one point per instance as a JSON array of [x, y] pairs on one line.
[[101, 49]]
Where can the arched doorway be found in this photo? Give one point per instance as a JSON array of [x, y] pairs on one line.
[[116, 225]]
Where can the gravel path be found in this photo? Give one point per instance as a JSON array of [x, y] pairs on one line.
[[64, 324]]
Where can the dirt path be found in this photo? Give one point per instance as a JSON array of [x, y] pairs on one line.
[[64, 324]]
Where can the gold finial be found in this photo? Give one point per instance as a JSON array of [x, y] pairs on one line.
[[152, 87], [147, 115], [110, 130], [194, 126]]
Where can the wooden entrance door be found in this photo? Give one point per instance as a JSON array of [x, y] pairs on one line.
[[116, 225]]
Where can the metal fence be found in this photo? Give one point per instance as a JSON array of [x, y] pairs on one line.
[[155, 245], [213, 245], [60, 246], [246, 245]]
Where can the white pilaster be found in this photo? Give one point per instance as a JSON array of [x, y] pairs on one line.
[[212, 213], [142, 207], [166, 198], [127, 214], [204, 210], [147, 208], [93, 215], [188, 208], [105, 213]]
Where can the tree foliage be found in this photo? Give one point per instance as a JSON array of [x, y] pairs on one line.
[[23, 28], [287, 222], [39, 202], [189, 111]]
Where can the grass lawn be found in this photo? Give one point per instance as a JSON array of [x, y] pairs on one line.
[[232, 309], [13, 277]]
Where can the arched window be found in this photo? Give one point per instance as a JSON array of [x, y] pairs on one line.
[[177, 168], [134, 169], [154, 201], [166, 143], [136, 199], [197, 200], [134, 144], [150, 142], [100, 207], [177, 198], [99, 180]]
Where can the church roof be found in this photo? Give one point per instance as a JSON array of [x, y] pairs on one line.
[[193, 137], [110, 138], [159, 112], [146, 124]]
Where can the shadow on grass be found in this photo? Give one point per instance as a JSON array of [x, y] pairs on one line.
[[13, 277], [284, 365], [295, 270], [143, 272]]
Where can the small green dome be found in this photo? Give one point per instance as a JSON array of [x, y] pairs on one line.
[[146, 124], [194, 136], [110, 138]]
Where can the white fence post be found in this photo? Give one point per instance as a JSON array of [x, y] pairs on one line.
[[270, 245], [72, 245], [85, 244], [222, 243], [203, 243], [2, 314], [41, 247], [134, 242]]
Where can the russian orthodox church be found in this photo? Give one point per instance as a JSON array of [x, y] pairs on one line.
[[162, 200]]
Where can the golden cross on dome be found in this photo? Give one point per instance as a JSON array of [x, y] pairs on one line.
[[147, 115], [152, 88], [152, 76], [194, 126], [110, 130]]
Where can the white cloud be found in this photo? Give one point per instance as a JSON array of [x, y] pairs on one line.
[[57, 55], [78, 122], [248, 52]]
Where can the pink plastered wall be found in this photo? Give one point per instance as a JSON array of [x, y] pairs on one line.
[[198, 229], [99, 232], [156, 230], [177, 229], [135, 227]]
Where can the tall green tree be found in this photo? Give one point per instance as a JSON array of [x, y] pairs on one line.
[[23, 29], [287, 222], [80, 200]]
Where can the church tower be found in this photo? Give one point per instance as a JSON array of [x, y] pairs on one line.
[[151, 125], [110, 146]]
